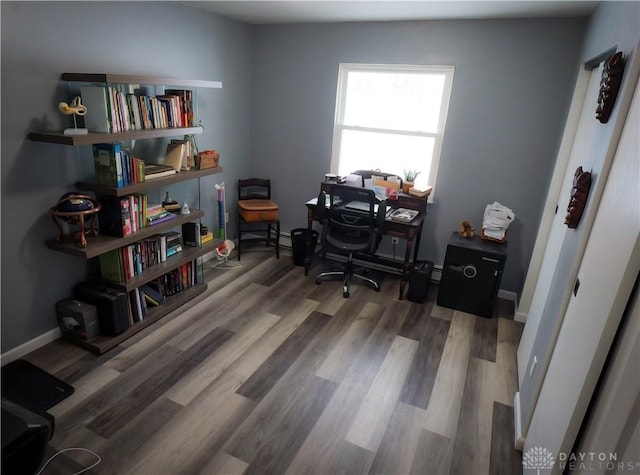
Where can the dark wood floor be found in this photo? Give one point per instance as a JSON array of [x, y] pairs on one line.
[[269, 373]]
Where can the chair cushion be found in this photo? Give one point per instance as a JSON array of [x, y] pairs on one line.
[[258, 210]]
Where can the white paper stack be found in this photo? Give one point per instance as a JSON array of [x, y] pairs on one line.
[[497, 219]]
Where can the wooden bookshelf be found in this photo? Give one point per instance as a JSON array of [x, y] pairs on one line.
[[117, 137], [102, 343], [102, 244], [161, 182]]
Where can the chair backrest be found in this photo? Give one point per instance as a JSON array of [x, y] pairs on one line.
[[351, 223], [254, 189]]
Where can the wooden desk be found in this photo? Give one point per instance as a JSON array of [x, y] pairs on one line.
[[411, 232]]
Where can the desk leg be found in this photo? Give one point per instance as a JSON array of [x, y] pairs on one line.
[[406, 266], [308, 255]]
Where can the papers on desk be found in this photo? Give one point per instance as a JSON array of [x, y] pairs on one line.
[[403, 215]]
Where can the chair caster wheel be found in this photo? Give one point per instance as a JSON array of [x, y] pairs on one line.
[[345, 295], [318, 281]]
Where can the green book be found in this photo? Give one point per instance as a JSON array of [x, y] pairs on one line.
[[107, 164], [111, 267]]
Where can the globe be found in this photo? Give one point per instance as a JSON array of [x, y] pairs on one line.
[[74, 202]]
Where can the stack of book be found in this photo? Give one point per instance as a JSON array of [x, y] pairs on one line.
[[160, 217], [153, 170], [206, 238], [174, 243]]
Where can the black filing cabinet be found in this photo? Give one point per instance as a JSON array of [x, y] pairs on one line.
[[471, 274]]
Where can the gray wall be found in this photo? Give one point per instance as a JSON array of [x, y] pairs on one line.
[[511, 92], [40, 41]]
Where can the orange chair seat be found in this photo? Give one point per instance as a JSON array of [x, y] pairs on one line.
[[257, 210]]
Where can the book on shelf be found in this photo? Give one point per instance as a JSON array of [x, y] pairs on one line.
[[206, 238], [186, 104], [112, 266], [154, 170], [174, 250], [152, 296], [173, 155], [96, 100], [114, 216], [107, 164], [404, 215], [191, 234], [161, 218], [187, 156]]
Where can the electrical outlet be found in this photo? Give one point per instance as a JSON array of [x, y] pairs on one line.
[[394, 240]]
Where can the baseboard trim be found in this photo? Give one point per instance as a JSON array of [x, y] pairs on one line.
[[518, 439], [521, 317], [31, 345]]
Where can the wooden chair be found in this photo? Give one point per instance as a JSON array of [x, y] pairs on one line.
[[257, 213]]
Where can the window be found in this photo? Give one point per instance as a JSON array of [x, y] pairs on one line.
[[391, 118]]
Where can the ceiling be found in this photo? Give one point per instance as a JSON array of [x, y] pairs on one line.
[[307, 11]]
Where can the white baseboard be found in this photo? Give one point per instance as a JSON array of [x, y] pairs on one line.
[[518, 439], [521, 317], [29, 346], [508, 295]]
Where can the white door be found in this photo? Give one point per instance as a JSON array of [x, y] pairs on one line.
[[608, 270], [579, 151]]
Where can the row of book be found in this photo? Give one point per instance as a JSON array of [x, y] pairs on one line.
[[121, 265], [111, 110], [154, 293], [115, 167]]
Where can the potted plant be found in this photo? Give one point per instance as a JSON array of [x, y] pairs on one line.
[[409, 178]]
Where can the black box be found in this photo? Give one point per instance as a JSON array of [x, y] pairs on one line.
[[112, 305], [471, 274], [419, 279], [78, 319]]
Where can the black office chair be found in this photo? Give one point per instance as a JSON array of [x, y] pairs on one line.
[[257, 213], [350, 226]]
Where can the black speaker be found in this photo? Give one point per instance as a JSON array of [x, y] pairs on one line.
[[419, 279], [471, 274], [112, 305]]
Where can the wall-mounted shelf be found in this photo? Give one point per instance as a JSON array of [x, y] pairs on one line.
[[135, 79], [101, 244], [147, 185], [102, 344], [97, 137]]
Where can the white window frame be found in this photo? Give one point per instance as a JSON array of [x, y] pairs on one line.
[[438, 136]]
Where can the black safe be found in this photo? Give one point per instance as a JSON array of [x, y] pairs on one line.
[[471, 274]]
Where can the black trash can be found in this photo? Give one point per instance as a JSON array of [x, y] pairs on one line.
[[299, 242], [419, 280]]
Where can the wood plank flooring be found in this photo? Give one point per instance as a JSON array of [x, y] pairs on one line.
[[269, 373]]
